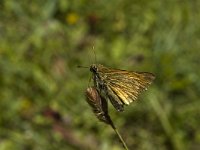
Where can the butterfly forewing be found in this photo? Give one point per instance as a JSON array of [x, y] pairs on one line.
[[130, 85], [121, 86]]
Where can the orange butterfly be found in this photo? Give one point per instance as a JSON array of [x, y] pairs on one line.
[[121, 87]]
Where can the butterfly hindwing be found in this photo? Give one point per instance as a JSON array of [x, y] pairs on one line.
[[114, 99]]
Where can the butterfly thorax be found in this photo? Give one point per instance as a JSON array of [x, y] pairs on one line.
[[97, 75]]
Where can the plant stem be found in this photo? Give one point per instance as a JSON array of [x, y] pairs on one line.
[[121, 139], [118, 134]]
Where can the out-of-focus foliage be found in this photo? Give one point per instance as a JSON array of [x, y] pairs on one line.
[[42, 104]]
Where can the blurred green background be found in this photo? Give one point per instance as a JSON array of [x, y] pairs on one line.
[[42, 103]]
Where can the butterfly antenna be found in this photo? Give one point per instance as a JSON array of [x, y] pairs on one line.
[[82, 66], [95, 57]]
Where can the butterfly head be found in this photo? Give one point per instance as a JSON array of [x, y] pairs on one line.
[[94, 68]]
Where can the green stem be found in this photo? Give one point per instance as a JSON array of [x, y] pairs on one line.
[[121, 139], [118, 134]]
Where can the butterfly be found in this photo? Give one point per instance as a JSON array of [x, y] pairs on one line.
[[121, 87]]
